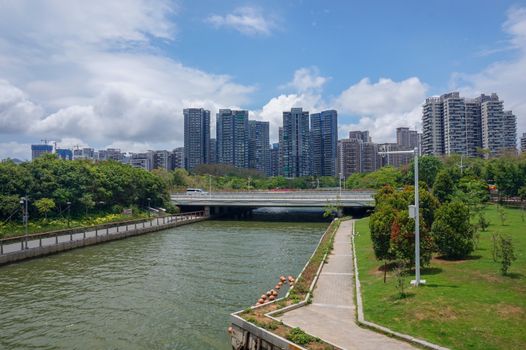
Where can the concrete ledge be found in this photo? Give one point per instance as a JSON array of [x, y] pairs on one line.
[[101, 238], [373, 326]]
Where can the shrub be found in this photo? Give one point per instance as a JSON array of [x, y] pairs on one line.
[[505, 253], [298, 336], [452, 230]]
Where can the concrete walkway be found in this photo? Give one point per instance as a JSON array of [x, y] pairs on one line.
[[331, 316]]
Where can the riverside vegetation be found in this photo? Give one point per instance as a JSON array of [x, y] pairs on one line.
[[97, 193]]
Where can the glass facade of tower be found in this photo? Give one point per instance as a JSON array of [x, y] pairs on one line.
[[196, 137], [324, 142]]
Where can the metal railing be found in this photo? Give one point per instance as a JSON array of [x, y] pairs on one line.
[[96, 231]]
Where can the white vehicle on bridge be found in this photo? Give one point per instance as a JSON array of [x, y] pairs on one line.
[[195, 191]]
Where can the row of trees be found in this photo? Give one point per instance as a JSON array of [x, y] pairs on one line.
[[51, 183], [507, 173]]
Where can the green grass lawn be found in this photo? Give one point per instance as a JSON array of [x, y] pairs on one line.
[[465, 304]]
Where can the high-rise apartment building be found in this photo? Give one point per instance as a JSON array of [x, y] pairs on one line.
[[178, 158], [296, 143], [259, 146], [433, 126], [212, 159], [499, 130], [456, 125], [356, 155], [143, 160], [233, 137], [196, 137], [274, 160], [406, 138], [64, 153], [324, 141], [523, 143], [38, 150], [162, 159], [360, 135]]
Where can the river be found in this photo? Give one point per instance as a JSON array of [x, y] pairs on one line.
[[172, 289]]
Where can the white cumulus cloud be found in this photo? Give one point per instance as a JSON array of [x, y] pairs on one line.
[[247, 20]]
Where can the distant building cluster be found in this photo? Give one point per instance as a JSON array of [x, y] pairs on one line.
[[467, 126], [308, 143], [148, 160]]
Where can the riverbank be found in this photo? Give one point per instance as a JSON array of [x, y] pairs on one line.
[[37, 245], [466, 304]]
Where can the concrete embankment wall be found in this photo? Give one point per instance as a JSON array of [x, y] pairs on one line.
[[100, 238]]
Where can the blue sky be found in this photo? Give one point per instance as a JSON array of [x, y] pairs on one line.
[[118, 73]]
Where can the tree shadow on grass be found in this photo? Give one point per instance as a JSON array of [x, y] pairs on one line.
[[398, 297], [431, 271], [436, 285], [471, 257], [514, 275]]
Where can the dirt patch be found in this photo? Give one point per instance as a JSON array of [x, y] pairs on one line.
[[507, 311]]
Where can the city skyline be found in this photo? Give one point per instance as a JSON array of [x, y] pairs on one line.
[[125, 85]]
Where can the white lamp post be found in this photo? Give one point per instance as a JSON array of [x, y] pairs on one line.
[[414, 213]]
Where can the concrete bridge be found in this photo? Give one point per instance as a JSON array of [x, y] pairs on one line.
[[225, 202]]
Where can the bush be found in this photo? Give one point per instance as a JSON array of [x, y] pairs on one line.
[[505, 253], [452, 230], [298, 336]]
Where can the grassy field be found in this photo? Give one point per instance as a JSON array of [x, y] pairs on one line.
[[465, 304]]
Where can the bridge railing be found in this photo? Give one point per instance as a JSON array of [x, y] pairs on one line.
[[103, 229]]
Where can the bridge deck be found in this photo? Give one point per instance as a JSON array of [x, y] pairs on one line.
[[277, 199]]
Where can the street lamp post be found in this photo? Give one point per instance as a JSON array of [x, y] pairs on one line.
[[414, 212], [69, 212], [24, 203], [149, 201]]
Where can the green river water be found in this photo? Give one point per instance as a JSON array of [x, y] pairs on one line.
[[167, 290]]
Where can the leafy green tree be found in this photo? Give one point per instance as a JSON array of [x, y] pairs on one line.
[[506, 254], [44, 206], [403, 240], [87, 201], [444, 187], [428, 168], [380, 224], [452, 230]]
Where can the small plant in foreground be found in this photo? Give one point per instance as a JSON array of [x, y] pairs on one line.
[[505, 253], [400, 275], [483, 223], [502, 214], [298, 336]]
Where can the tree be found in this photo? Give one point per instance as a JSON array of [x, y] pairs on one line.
[[428, 168], [505, 253], [443, 187], [452, 231], [44, 206], [380, 225], [403, 240], [87, 201]]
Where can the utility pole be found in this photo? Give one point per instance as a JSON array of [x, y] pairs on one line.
[[414, 213], [69, 212], [25, 219]]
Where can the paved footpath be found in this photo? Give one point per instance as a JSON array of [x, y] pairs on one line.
[[331, 316]]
